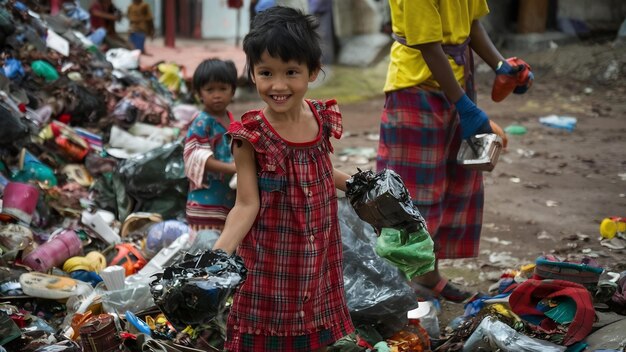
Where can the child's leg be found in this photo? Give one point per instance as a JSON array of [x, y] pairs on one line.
[[138, 39]]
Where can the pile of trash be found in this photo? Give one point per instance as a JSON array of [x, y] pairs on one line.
[[95, 254]]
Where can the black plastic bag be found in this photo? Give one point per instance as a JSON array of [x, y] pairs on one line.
[[13, 129], [375, 289], [382, 200], [85, 105], [156, 180], [194, 292]]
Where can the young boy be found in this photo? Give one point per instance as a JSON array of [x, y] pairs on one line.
[[141, 24]]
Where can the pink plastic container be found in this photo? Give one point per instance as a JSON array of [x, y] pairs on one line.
[[20, 200], [55, 252]]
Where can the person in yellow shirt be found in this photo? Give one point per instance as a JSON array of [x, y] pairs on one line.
[[141, 24], [429, 108]]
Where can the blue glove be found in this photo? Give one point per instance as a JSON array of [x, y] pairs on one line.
[[505, 69], [521, 89], [473, 120]]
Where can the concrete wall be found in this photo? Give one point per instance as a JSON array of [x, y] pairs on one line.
[[220, 22], [355, 17], [593, 10]]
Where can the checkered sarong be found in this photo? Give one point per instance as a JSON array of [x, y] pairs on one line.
[[419, 139]]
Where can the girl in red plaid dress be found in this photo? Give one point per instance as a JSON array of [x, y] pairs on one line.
[[284, 222]]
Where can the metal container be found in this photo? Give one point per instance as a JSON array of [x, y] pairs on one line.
[[480, 152]]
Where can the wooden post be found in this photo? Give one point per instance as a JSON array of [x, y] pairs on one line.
[[170, 23], [533, 15], [55, 5]]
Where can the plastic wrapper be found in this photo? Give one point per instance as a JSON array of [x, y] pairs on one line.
[[412, 253], [382, 200], [123, 59], [494, 335], [156, 180], [195, 291], [133, 298], [9, 331], [13, 127], [375, 289]]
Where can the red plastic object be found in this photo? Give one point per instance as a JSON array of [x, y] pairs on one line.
[[503, 85], [128, 257], [56, 251], [20, 201], [71, 149]]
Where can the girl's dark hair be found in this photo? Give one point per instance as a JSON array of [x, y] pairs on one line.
[[215, 70], [285, 33]]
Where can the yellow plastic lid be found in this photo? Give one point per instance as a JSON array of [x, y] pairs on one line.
[[608, 228]]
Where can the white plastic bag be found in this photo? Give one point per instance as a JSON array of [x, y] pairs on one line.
[[123, 59]]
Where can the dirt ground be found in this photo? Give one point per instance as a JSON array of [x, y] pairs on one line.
[[551, 188]]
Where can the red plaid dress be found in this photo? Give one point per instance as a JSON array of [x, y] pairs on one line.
[[293, 298]]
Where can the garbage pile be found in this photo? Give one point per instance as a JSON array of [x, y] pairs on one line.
[[549, 305], [95, 254]]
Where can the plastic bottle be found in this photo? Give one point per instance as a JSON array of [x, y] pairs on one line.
[[515, 130], [61, 246], [94, 220], [563, 122], [494, 335]]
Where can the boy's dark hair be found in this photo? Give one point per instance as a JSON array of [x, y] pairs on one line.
[[285, 33], [215, 70]]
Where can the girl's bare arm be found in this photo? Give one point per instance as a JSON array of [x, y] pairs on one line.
[[340, 179], [241, 218]]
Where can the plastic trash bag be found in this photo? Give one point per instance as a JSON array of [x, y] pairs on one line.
[[411, 252], [375, 289], [13, 68], [194, 291], [494, 335], [13, 127], [156, 180], [171, 76], [123, 59], [382, 200], [132, 297], [141, 104]]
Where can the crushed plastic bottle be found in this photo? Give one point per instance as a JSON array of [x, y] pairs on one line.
[[517, 130], [563, 122], [494, 335]]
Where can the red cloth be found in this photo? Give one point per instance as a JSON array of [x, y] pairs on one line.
[[96, 22], [293, 251], [525, 296]]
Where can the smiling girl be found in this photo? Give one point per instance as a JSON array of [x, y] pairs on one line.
[[284, 222]]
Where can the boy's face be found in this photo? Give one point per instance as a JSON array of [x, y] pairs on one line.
[[216, 96], [282, 85]]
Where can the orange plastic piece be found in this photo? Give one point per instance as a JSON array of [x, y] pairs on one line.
[[503, 85]]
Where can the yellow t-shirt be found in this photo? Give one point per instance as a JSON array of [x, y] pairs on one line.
[[427, 21]]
